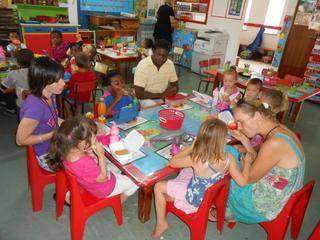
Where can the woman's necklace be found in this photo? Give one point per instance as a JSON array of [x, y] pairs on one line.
[[54, 116], [267, 135]]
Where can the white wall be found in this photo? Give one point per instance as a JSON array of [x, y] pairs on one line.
[[231, 26], [72, 10], [257, 15]]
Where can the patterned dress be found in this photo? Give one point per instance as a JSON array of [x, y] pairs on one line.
[[263, 201]]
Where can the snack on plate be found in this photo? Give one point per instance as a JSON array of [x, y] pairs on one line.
[[122, 152]]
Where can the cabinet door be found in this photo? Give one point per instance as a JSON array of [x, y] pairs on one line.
[[296, 54], [38, 43]]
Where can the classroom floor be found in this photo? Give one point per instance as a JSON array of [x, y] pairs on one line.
[[18, 222]]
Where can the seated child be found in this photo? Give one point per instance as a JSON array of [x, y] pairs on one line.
[[253, 91], [228, 94], [147, 45], [14, 88], [59, 48], [15, 44], [201, 168], [276, 100], [82, 74], [115, 97], [74, 148], [91, 50], [70, 63]]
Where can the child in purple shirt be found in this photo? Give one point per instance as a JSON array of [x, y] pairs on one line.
[[59, 48], [74, 148], [38, 114]]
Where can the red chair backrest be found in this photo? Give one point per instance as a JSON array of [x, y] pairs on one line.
[[32, 163], [79, 197], [219, 189], [295, 199], [84, 87], [209, 62], [293, 79]]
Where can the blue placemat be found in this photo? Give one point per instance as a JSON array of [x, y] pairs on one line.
[[308, 90], [151, 163], [296, 95]]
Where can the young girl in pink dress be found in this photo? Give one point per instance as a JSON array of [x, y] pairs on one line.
[[74, 148], [202, 166], [228, 94]]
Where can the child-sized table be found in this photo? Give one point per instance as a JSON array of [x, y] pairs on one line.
[[146, 171]]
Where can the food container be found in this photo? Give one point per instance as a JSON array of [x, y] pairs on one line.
[[176, 101], [120, 152], [171, 119]]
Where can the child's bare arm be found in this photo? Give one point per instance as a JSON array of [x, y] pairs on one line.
[[117, 98], [241, 177], [182, 159], [99, 150]]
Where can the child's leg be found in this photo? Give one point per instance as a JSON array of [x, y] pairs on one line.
[[124, 186], [160, 195]]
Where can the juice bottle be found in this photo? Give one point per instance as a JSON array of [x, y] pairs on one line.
[[102, 109]]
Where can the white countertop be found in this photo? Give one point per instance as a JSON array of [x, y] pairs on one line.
[[111, 53]]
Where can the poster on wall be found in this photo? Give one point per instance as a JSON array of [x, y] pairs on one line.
[[315, 18], [235, 9], [228, 8], [304, 12], [108, 6], [283, 36]]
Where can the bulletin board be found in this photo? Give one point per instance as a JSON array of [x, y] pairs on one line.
[[232, 9]]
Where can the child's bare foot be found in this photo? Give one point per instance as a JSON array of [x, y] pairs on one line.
[[159, 230]]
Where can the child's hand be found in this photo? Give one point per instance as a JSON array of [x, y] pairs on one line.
[[101, 178], [119, 95]]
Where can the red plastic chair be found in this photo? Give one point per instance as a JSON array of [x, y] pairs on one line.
[[293, 80], [83, 88], [294, 210], [315, 235], [197, 222], [264, 72], [37, 179], [205, 65], [83, 204]]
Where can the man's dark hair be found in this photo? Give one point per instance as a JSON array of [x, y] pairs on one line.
[[149, 42], [43, 71], [107, 80], [162, 44], [24, 58]]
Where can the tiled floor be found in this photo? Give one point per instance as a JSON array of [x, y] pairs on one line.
[[18, 222]]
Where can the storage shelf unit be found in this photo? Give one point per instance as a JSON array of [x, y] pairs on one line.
[[192, 10], [121, 28], [8, 23], [312, 73]]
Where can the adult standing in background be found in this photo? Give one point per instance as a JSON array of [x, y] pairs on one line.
[[165, 21]]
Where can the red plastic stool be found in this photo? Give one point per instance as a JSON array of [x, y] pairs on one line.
[[294, 209], [197, 222], [84, 204], [37, 179]]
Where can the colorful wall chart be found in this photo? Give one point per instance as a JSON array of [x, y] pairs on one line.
[[109, 6], [282, 40]]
